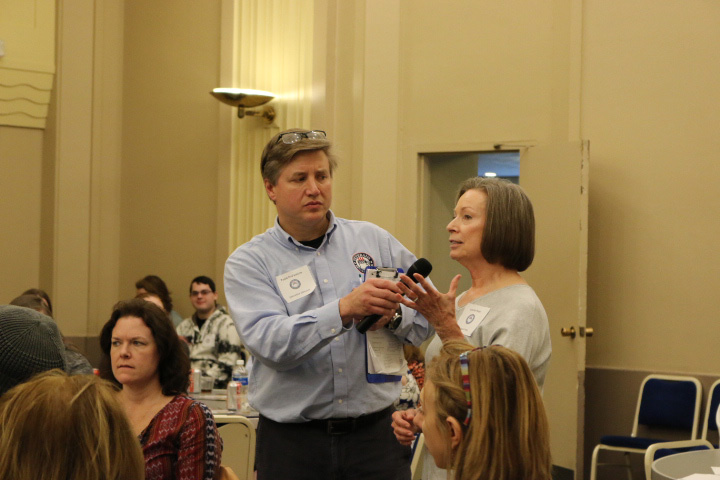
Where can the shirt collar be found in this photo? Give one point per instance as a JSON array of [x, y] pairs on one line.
[[287, 239]]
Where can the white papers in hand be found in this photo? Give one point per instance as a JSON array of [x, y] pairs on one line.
[[385, 353]]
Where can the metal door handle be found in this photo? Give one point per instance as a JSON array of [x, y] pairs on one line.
[[568, 332]]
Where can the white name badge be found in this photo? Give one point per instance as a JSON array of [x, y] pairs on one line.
[[472, 317], [296, 283]]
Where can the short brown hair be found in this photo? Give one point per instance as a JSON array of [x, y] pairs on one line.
[[174, 363], [156, 285], [508, 434], [43, 294], [277, 154], [509, 235], [33, 301], [44, 416]]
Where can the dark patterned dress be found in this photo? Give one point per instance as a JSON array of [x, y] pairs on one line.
[[181, 442]]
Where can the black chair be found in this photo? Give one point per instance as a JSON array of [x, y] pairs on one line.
[[664, 402]]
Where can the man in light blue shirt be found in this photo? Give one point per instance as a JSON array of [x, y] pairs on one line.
[[295, 293]]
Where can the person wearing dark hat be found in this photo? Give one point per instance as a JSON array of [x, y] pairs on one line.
[[30, 343], [75, 362]]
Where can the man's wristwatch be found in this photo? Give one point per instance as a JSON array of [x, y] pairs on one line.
[[395, 320]]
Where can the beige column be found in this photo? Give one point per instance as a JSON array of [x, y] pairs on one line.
[[87, 156]]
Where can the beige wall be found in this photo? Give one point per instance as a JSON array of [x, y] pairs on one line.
[[169, 185], [20, 210], [650, 110], [128, 164], [27, 63]]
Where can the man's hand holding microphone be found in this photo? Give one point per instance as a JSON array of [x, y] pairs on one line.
[[377, 299]]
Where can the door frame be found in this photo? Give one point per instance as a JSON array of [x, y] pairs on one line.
[[418, 155]]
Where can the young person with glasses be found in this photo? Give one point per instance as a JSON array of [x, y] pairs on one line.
[[295, 293], [210, 332]]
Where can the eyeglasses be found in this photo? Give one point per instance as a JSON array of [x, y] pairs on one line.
[[289, 138], [195, 293], [465, 371]]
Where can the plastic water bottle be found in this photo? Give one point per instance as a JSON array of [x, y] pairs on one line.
[[232, 396], [240, 378]]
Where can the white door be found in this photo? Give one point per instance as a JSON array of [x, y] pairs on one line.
[[556, 179]]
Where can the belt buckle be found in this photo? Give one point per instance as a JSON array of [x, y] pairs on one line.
[[340, 427]]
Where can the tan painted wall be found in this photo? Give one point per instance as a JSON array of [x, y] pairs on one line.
[[651, 110], [20, 210], [170, 145], [128, 164], [27, 62]]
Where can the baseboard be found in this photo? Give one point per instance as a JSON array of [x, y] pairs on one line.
[[562, 473]]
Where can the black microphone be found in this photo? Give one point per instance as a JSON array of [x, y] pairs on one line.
[[421, 266]]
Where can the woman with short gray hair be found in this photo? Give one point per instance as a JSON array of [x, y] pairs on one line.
[[492, 235]]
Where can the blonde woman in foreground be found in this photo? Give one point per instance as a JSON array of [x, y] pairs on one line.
[[57, 427], [482, 415]]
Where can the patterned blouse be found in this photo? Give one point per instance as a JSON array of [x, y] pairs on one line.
[[181, 442]]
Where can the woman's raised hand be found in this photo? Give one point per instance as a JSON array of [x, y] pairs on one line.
[[438, 308]]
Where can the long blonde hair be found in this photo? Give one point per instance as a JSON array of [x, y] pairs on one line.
[[57, 427], [507, 437]]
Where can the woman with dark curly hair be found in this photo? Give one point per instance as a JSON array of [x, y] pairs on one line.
[[142, 354]]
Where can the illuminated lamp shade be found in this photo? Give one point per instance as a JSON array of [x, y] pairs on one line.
[[243, 98]]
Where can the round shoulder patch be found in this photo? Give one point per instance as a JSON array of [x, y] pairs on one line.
[[362, 261]]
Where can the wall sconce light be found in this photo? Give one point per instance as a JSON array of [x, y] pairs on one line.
[[246, 98]]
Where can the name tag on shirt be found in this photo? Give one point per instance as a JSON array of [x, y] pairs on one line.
[[471, 318], [296, 283]]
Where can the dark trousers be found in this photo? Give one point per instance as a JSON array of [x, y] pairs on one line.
[[355, 449]]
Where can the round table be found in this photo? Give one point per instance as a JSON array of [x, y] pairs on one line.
[[681, 465]]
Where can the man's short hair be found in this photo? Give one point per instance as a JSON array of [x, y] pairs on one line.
[[204, 280], [508, 238], [277, 155]]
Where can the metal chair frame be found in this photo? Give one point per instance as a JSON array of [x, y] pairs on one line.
[[628, 450]]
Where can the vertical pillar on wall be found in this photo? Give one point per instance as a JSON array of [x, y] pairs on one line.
[[381, 110], [73, 144], [87, 164], [273, 50], [105, 195]]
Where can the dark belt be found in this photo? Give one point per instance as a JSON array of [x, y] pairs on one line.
[[342, 426]]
